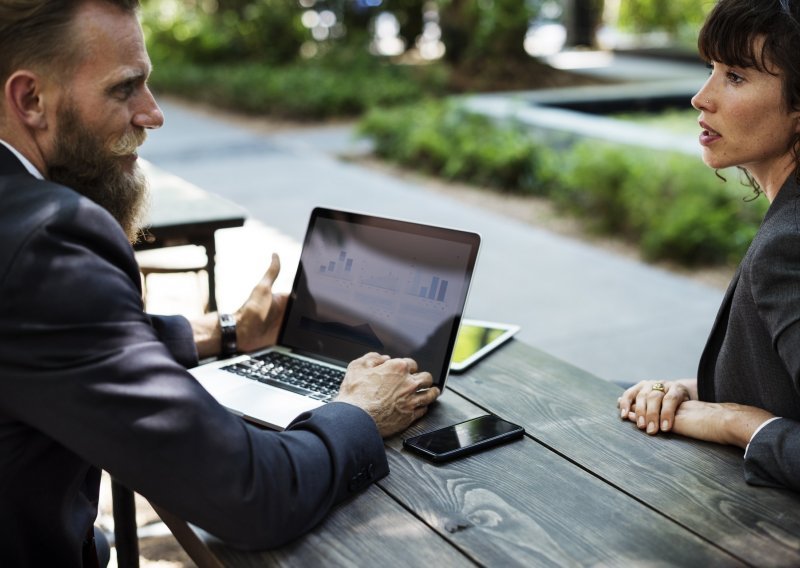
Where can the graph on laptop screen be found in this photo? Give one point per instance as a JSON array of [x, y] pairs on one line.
[[370, 286]]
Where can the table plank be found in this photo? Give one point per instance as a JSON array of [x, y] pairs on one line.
[[698, 485], [183, 214], [522, 504], [176, 203], [366, 531]]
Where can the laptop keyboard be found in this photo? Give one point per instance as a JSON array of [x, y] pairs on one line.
[[292, 374]]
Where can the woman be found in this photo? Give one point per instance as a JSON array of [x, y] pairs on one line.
[[748, 388]]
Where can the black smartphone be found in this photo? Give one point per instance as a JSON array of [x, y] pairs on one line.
[[464, 438]]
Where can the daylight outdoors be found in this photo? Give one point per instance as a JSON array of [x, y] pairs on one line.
[[560, 130]]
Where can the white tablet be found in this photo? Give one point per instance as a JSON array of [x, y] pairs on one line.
[[476, 339]]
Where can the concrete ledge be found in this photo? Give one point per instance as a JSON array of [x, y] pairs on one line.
[[578, 112]]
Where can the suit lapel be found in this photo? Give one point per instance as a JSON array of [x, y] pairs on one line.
[[708, 360], [9, 164]]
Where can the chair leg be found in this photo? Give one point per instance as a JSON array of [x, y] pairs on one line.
[[125, 537]]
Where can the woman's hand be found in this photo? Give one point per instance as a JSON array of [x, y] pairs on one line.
[[651, 405], [722, 423]]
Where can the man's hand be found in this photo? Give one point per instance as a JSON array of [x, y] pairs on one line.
[[389, 390], [258, 320]]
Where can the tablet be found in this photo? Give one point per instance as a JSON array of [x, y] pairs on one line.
[[476, 339]]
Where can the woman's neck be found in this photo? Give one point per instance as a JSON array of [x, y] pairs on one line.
[[772, 179]]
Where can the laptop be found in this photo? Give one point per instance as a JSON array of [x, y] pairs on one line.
[[364, 283]]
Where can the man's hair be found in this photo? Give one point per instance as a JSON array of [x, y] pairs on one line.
[[36, 34]]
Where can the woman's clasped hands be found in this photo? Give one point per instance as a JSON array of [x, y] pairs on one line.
[[652, 405], [673, 406]]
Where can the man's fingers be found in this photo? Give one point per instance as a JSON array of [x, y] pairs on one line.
[[427, 397], [412, 365], [274, 269], [424, 380]]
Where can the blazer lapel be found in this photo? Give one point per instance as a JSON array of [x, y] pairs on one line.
[[708, 360], [9, 164]]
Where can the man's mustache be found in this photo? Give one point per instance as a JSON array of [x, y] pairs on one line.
[[129, 142]]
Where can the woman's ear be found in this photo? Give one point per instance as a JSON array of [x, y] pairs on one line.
[[23, 92]]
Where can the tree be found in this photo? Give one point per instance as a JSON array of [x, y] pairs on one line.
[[481, 29], [409, 14], [582, 18]]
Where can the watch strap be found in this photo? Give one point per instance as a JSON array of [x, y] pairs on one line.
[[227, 324]]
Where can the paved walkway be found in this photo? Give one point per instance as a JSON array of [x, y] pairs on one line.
[[615, 317]]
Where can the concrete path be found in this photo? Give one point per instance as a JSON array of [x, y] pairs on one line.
[[619, 319]]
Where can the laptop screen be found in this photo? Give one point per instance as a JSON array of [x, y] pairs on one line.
[[368, 283]]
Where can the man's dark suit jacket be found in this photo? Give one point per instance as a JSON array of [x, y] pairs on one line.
[[88, 381], [753, 353]]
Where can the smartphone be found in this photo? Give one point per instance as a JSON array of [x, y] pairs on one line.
[[476, 339], [464, 438]]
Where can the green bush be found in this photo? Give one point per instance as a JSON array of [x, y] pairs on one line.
[[443, 139], [670, 204], [311, 90]]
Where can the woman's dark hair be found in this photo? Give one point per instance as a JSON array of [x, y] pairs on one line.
[[729, 36]]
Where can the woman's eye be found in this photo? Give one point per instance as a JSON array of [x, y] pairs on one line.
[[734, 77]]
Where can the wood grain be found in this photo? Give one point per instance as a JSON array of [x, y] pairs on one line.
[[370, 530], [698, 485], [522, 505]]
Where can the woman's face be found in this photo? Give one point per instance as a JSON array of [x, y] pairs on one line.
[[745, 121]]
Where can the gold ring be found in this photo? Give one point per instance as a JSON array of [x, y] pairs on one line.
[[658, 387]]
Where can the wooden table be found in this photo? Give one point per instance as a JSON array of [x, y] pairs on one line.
[[582, 488], [182, 213]]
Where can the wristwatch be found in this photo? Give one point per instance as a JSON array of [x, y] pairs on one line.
[[227, 323]]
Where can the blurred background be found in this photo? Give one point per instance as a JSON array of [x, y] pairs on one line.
[[560, 130]]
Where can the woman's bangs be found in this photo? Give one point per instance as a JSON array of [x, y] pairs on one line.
[[730, 40]]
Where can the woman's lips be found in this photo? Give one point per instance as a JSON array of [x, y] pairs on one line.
[[708, 135]]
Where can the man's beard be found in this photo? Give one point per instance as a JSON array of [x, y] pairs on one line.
[[84, 163]]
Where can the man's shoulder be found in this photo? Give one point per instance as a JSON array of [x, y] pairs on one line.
[[40, 211], [29, 203]]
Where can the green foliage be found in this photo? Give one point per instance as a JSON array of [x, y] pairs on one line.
[[208, 31], [485, 29], [672, 205], [309, 90], [681, 18], [445, 140]]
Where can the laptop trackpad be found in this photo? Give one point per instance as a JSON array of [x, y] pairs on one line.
[[261, 402]]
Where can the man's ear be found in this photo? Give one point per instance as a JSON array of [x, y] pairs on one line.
[[23, 91]]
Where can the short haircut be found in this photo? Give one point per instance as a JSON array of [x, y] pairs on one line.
[[37, 34]]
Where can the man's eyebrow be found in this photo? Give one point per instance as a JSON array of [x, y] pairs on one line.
[[127, 78], [133, 75]]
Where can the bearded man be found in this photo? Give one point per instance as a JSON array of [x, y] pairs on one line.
[[88, 381]]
